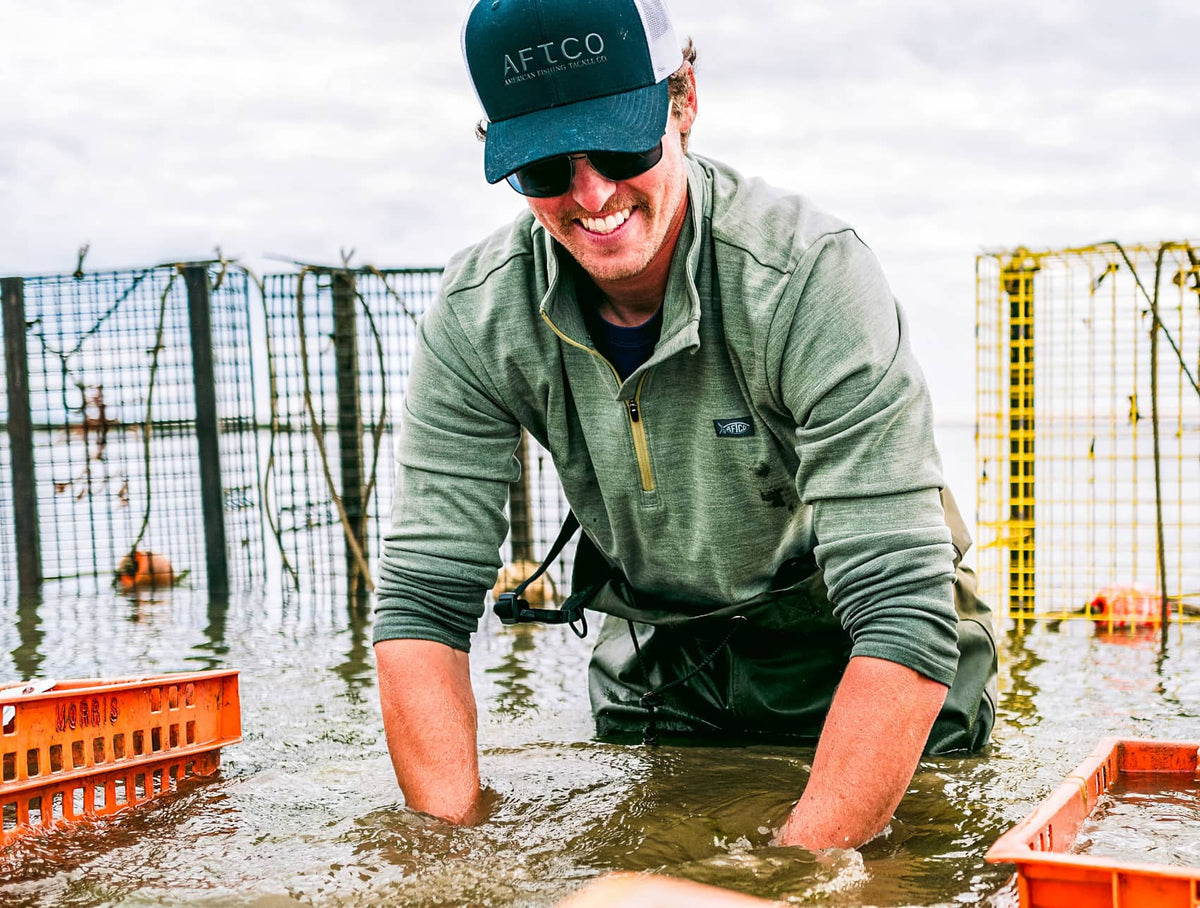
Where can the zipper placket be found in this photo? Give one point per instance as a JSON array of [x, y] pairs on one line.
[[637, 425], [633, 409]]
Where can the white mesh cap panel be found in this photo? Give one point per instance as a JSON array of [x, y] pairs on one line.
[[665, 53], [462, 44]]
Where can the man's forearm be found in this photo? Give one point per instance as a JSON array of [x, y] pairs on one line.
[[430, 720], [869, 748]]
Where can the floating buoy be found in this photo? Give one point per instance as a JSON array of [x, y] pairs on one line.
[[1126, 606], [144, 570], [539, 593]]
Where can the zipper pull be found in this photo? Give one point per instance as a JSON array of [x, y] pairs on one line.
[[633, 410]]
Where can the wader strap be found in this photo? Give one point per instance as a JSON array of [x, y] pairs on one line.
[[510, 608], [653, 694]]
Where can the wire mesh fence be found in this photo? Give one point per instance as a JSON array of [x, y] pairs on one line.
[[307, 372], [111, 381], [335, 431], [1088, 428]]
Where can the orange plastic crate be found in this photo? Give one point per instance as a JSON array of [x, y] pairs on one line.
[[1047, 877], [93, 748]]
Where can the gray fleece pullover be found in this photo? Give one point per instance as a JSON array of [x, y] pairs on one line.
[[782, 411]]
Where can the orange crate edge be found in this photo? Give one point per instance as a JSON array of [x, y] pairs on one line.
[[93, 747], [1047, 875]]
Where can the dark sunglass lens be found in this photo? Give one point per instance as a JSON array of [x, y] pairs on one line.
[[543, 179], [624, 165]]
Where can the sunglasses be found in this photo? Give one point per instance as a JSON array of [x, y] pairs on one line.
[[552, 177]]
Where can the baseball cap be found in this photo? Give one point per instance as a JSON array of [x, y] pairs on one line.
[[564, 76]]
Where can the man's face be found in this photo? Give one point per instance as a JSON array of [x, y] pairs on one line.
[[614, 230]]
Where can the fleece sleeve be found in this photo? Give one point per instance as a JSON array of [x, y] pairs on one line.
[[868, 465], [454, 463]]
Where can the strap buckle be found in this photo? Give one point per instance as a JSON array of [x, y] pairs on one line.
[[511, 609]]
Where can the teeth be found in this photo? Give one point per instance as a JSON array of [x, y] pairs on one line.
[[606, 224]]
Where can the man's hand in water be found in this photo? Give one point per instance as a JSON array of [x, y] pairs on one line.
[[869, 749]]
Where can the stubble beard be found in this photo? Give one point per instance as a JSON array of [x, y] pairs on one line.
[[604, 267]]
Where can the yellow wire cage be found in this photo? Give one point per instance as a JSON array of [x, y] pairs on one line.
[[1088, 432]]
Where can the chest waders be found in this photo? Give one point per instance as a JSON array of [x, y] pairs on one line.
[[765, 669]]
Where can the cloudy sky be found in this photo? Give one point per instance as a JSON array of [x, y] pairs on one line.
[[157, 131]]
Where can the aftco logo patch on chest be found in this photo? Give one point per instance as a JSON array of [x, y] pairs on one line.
[[734, 428]]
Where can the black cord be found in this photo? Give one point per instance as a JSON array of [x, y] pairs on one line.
[[653, 695]]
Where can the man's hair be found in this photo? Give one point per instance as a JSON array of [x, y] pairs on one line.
[[678, 85]]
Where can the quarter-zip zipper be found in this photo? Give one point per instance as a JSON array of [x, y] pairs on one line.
[[638, 426], [637, 423]]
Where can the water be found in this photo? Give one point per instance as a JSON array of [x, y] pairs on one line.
[[306, 810], [1146, 818]]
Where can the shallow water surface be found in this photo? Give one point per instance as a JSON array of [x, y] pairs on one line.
[[306, 810], [1146, 818]]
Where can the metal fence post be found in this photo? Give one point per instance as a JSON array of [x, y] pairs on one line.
[[349, 421], [212, 496], [1016, 278], [20, 436]]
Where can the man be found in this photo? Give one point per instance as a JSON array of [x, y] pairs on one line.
[[722, 378]]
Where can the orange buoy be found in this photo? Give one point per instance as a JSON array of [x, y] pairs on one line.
[[144, 570], [1126, 606]]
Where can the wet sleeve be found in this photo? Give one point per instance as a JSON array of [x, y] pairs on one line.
[[868, 465], [455, 459]]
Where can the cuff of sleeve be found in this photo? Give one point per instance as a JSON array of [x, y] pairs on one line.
[[936, 658], [394, 620]]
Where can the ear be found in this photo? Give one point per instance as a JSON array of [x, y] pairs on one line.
[[688, 115]]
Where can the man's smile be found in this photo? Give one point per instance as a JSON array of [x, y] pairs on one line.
[[606, 225]]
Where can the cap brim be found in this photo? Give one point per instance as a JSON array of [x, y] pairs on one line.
[[629, 121]]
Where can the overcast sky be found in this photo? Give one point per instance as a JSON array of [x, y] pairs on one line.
[[157, 131]]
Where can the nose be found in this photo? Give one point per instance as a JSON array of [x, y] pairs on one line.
[[588, 188]]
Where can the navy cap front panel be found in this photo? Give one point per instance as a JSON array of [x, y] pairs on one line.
[[630, 121], [527, 55]]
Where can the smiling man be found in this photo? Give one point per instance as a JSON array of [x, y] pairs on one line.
[[724, 382]]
